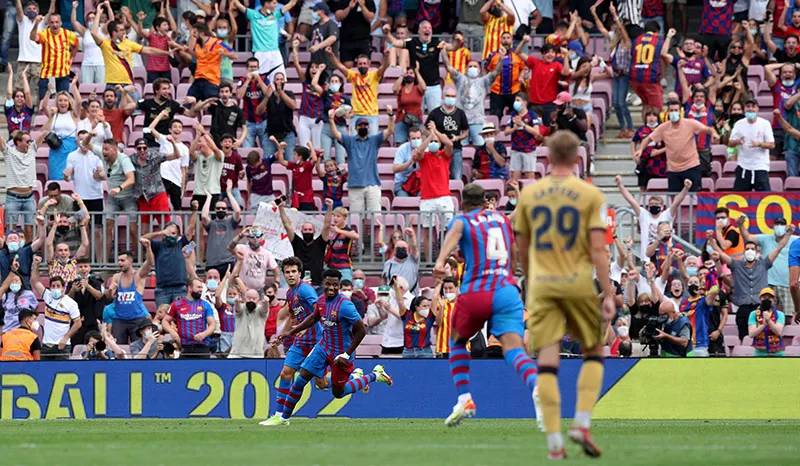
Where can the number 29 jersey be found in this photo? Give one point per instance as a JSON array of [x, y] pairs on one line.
[[557, 214], [646, 58], [486, 244]]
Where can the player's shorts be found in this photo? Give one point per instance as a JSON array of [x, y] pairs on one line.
[[652, 94], [502, 308], [551, 318], [524, 162], [318, 360], [296, 355]]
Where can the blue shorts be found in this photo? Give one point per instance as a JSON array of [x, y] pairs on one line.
[[318, 360], [502, 308], [296, 355]]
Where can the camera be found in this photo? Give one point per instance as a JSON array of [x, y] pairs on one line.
[[650, 330], [169, 348], [100, 346]]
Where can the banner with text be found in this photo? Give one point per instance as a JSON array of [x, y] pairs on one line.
[[761, 210], [246, 389], [276, 240]]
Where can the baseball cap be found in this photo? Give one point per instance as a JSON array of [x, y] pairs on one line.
[[384, 289], [321, 6], [768, 291], [563, 98], [140, 141], [362, 121], [780, 221], [200, 13]]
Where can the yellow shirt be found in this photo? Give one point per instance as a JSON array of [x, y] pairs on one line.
[[493, 28], [557, 214], [458, 60], [365, 92], [117, 58]]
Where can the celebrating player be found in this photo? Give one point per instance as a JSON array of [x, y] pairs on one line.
[[342, 332], [488, 293], [301, 298], [562, 226]]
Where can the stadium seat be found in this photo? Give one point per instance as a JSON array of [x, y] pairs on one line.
[[657, 184], [406, 203], [731, 340], [747, 341], [792, 351], [743, 351], [796, 341], [724, 184], [493, 186], [776, 185], [790, 184]]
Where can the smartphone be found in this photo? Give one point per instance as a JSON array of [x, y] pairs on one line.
[[189, 248], [307, 275], [280, 199]]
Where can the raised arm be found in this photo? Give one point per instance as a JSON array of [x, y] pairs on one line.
[[287, 224], [326, 225], [781, 244], [36, 283], [335, 60], [628, 196], [676, 203], [206, 207]]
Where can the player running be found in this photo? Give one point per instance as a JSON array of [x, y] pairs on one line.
[[488, 293], [301, 299], [562, 226], [342, 332]]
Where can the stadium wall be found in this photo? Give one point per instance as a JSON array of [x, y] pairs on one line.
[[245, 389]]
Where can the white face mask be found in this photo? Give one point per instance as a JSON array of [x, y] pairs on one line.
[[750, 255], [424, 312], [450, 296], [347, 294], [489, 140], [622, 332], [383, 299], [723, 222], [34, 326]]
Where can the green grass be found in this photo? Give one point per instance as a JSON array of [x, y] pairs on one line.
[[200, 442]]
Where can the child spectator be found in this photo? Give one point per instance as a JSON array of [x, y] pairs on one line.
[[525, 136], [334, 98], [259, 179], [653, 162], [334, 179], [338, 254], [302, 171]]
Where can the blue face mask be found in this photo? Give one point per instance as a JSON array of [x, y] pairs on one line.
[[335, 87], [358, 284], [231, 301], [473, 72], [517, 106], [56, 294], [416, 143], [450, 101], [709, 249], [13, 246], [314, 16], [212, 284], [652, 125], [691, 271], [780, 230], [750, 115], [433, 147], [15, 287], [674, 116]]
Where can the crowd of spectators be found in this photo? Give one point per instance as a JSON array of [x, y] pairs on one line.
[[321, 118]]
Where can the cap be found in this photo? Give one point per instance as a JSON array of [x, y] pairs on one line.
[[767, 291], [488, 128], [563, 98], [780, 221], [140, 141], [362, 121], [384, 289], [321, 6], [200, 13]]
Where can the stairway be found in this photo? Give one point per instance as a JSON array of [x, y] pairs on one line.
[[614, 158]]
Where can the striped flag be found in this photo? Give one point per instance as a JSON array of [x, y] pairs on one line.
[[761, 210]]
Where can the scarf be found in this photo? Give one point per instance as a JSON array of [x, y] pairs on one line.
[[767, 340]]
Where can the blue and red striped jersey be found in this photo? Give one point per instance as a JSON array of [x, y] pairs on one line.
[[312, 102], [717, 17], [705, 117], [646, 60], [252, 97], [338, 256], [334, 185], [337, 317], [521, 140], [780, 94], [652, 8], [417, 334], [486, 244], [301, 301], [655, 166], [190, 319], [227, 318]]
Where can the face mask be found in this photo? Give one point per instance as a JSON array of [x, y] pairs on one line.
[[424, 312], [450, 101], [611, 35], [363, 69], [691, 271], [15, 287], [62, 230], [654, 209], [315, 16], [363, 132], [512, 201], [780, 230], [63, 261], [31, 14], [358, 284], [433, 147], [518, 106], [674, 117], [416, 143], [473, 72], [254, 246], [250, 305], [230, 301], [693, 289], [753, 32], [212, 284], [709, 249], [450, 296], [335, 87], [700, 106], [652, 125], [148, 334], [34, 326], [222, 33], [401, 253], [383, 249], [623, 332], [13, 246], [119, 41], [489, 140], [573, 56], [196, 295], [308, 237], [56, 294], [221, 215], [347, 294], [171, 241], [750, 255], [723, 222], [408, 79], [750, 115], [787, 83], [766, 304], [688, 54]]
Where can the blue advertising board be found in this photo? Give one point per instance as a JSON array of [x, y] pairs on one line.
[[245, 389]]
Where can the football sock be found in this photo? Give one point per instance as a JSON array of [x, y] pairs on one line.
[[523, 365], [284, 386], [550, 398], [294, 396], [359, 383], [460, 360], [590, 381]]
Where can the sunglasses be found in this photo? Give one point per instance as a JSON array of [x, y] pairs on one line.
[[221, 209], [256, 236], [734, 47], [141, 148]]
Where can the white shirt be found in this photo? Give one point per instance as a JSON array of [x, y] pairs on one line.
[[103, 130], [522, 9], [753, 158], [21, 168], [29, 51], [92, 55], [758, 8], [393, 332], [83, 166], [171, 169], [648, 228], [58, 313]]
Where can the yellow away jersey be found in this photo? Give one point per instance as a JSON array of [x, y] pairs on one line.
[[557, 214]]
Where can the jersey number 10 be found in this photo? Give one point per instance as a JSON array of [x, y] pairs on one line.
[[567, 224], [645, 53]]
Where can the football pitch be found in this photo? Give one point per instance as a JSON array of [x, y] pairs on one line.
[[386, 442]]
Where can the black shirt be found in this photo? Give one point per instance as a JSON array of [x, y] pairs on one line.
[[280, 121], [449, 124], [571, 123], [428, 57], [354, 23], [782, 57], [225, 120], [90, 307], [715, 314], [150, 108], [311, 255], [320, 32]]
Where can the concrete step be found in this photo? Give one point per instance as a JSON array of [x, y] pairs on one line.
[[607, 180], [615, 166]]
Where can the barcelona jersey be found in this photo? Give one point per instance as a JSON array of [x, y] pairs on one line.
[[704, 116], [486, 244], [301, 301], [337, 317], [646, 61]]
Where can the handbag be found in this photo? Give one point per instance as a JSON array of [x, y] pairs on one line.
[[52, 138], [411, 120]]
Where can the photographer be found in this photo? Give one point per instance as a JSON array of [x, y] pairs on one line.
[[101, 347], [150, 344], [765, 326], [671, 330]]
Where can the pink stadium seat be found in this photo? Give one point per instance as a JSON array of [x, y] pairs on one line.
[[183, 89], [729, 168], [657, 184], [743, 351], [468, 153], [496, 186], [747, 341], [731, 340], [708, 184], [385, 171], [724, 184], [792, 351], [386, 154], [776, 185], [716, 170], [406, 203], [796, 341], [790, 184]]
